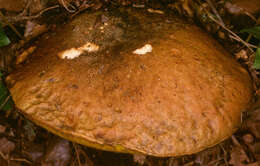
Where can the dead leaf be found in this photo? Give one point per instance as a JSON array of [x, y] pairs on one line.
[[33, 30], [6, 146], [238, 157], [253, 122], [35, 152], [58, 153]]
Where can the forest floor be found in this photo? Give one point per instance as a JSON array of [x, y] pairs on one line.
[[24, 144]]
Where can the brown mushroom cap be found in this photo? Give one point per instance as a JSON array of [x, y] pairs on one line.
[[184, 96]]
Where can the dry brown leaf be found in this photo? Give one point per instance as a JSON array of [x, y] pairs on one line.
[[239, 158], [35, 152], [33, 30], [6, 146], [253, 122], [58, 153]]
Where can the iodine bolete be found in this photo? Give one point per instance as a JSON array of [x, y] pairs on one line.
[[133, 82]]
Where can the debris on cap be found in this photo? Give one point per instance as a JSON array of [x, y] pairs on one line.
[[144, 50], [76, 52]]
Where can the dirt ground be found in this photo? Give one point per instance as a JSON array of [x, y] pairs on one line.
[[23, 144]]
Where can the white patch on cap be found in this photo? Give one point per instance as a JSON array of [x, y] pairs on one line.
[[145, 49], [76, 52], [70, 54]]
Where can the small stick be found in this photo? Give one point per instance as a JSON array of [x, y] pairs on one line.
[[250, 15], [3, 156], [89, 162], [249, 37], [34, 16], [221, 23], [81, 8], [235, 141], [66, 7], [235, 38], [214, 161], [225, 154], [215, 12], [77, 153], [10, 25], [235, 35], [189, 163], [6, 100], [28, 3], [21, 160]]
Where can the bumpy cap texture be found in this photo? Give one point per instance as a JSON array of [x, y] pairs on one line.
[[180, 97]]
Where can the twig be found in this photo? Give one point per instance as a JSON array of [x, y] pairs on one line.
[[3, 156], [10, 25], [235, 38], [6, 158], [235, 35], [235, 141], [189, 163], [249, 37], [21, 160], [221, 23], [225, 154], [28, 3], [81, 8], [3, 104], [14, 159], [250, 15], [77, 153], [66, 7], [215, 12], [89, 162], [214, 161], [20, 18]]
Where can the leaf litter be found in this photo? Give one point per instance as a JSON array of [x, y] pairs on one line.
[[23, 143]]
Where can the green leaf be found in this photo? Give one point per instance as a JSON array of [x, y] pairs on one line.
[[5, 100], [257, 59], [4, 40], [255, 31]]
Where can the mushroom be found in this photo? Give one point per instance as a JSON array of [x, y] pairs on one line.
[[138, 84]]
